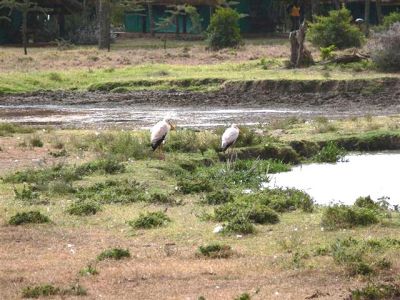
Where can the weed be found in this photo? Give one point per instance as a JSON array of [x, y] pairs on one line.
[[40, 290], [150, 220], [330, 153], [10, 129], [60, 187], [342, 216], [327, 52], [162, 198], [61, 153], [83, 208], [194, 185], [107, 166], [88, 270], [244, 296], [28, 194], [33, 217], [55, 77], [115, 253], [215, 251], [323, 125], [36, 142]]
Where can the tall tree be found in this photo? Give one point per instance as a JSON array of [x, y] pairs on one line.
[[379, 11], [366, 16], [24, 7], [104, 19]]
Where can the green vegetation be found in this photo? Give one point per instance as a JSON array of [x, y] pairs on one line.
[[7, 129], [35, 141], [244, 296], [330, 153], [88, 270], [389, 20], [215, 251], [115, 253], [83, 208], [379, 291], [335, 29], [50, 290], [30, 217], [224, 31], [150, 220]]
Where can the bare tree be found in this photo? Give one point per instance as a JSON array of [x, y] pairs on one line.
[[104, 19], [24, 7]]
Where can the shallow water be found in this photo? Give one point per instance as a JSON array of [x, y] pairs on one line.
[[374, 174], [138, 116]]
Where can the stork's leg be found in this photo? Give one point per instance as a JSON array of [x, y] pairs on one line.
[[162, 155]]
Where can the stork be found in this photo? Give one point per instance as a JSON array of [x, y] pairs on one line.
[[159, 133], [229, 137]]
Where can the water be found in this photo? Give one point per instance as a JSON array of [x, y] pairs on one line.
[[138, 116], [374, 174]]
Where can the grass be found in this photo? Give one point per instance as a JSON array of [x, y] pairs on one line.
[[83, 208], [7, 129], [150, 220], [50, 290], [215, 251]]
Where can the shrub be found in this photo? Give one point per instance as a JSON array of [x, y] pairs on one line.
[[330, 153], [40, 290], [28, 193], [342, 216], [327, 52], [194, 185], [83, 208], [218, 197], [384, 49], [389, 20], [107, 166], [9, 129], [88, 270], [150, 220], [161, 198], [115, 253], [215, 251], [239, 224], [376, 292], [244, 296], [36, 142], [367, 202], [60, 187], [34, 217], [335, 29], [224, 31]]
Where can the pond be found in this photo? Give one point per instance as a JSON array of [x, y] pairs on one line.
[[374, 174]]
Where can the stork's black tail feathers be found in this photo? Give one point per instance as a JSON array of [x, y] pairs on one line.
[[157, 143]]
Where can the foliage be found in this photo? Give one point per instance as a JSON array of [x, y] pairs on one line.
[[176, 10], [392, 18], [218, 197], [150, 220], [376, 292], [40, 290], [34, 217], [28, 193], [88, 270], [224, 31], [238, 225], [162, 198], [191, 185], [60, 187], [367, 202], [327, 52], [115, 253], [83, 208], [244, 296], [10, 129], [335, 29], [106, 166], [215, 250], [330, 153], [342, 216], [384, 49]]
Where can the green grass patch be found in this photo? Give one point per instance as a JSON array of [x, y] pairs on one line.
[[377, 291], [150, 220], [115, 253], [89, 270], [7, 129], [215, 250], [83, 208]]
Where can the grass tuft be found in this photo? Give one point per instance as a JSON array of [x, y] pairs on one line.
[[215, 251], [150, 220], [83, 208], [34, 217], [115, 253]]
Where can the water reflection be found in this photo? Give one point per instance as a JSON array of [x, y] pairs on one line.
[[374, 174]]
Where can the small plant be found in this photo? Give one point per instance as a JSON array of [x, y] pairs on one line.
[[83, 208], [28, 193], [367, 202], [88, 270], [116, 254], [107, 166], [34, 217], [376, 292], [150, 220], [10, 129], [392, 18], [60, 187], [342, 216], [161, 198], [335, 29], [55, 77], [36, 142], [224, 30], [330, 153], [244, 296], [194, 185], [215, 251], [61, 153], [327, 52], [40, 291]]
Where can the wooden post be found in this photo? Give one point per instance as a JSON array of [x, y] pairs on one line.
[[151, 18]]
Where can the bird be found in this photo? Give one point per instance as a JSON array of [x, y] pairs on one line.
[[229, 137], [159, 132]]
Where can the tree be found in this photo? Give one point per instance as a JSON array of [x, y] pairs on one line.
[[24, 7], [173, 13], [104, 19]]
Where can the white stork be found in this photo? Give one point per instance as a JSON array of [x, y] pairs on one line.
[[229, 137], [159, 133]]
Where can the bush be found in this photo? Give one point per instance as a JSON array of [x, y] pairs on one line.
[[34, 217], [194, 185], [9, 129], [218, 197], [88, 270], [385, 47], [161, 198], [150, 220], [376, 292], [116, 253], [367, 202], [239, 225], [107, 166], [28, 194], [224, 31], [389, 20], [83, 208], [327, 52], [335, 29], [36, 142], [342, 216], [215, 251], [40, 290]]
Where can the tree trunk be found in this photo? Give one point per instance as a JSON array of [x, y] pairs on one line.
[[366, 16], [300, 56], [24, 30], [177, 25], [379, 11], [315, 8], [104, 24], [151, 18]]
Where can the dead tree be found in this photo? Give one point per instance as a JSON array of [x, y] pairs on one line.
[[300, 56]]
